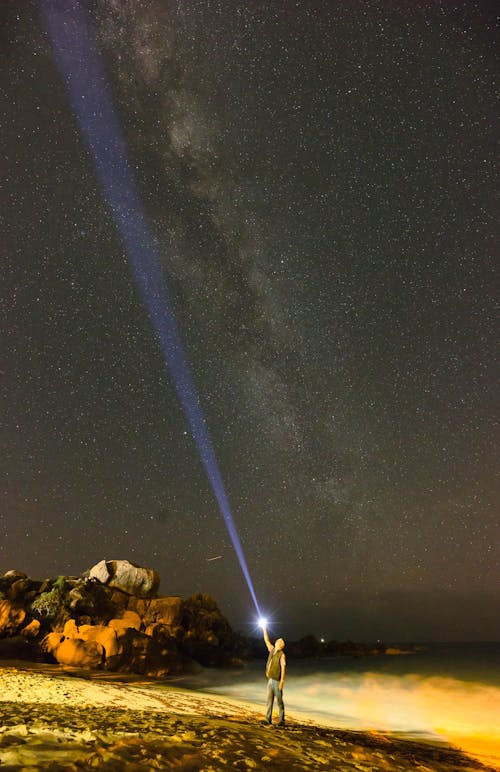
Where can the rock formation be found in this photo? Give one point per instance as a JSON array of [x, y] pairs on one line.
[[126, 576], [111, 618]]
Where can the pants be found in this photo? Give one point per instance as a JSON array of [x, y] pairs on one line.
[[273, 690]]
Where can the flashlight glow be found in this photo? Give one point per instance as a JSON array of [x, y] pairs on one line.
[[262, 622]]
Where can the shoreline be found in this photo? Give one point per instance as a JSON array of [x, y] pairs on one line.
[[61, 719]]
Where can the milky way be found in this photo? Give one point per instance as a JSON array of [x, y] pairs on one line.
[[320, 184]]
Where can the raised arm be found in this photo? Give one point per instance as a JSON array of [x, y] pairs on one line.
[[268, 643]]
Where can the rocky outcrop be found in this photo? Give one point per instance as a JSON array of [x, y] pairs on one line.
[[127, 577], [118, 649], [107, 618]]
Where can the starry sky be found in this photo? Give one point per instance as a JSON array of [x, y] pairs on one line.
[[319, 178]]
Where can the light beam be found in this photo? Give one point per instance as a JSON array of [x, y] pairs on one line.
[[68, 26]]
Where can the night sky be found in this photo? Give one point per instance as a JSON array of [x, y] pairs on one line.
[[320, 180]]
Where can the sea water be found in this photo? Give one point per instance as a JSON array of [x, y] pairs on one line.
[[440, 692]]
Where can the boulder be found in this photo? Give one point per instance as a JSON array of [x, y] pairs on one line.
[[8, 580], [12, 617], [129, 619], [119, 600], [126, 576], [140, 605], [163, 634], [13, 574], [76, 652], [205, 634], [70, 629], [51, 642], [101, 572], [125, 649], [31, 630], [166, 611], [89, 598], [19, 589], [139, 653], [101, 634]]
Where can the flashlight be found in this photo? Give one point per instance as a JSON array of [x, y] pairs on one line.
[[262, 622]]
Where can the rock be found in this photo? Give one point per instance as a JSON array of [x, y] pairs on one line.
[[101, 634], [138, 653], [128, 619], [101, 572], [78, 653], [126, 576], [18, 589], [160, 632], [51, 642], [13, 574], [140, 605], [13, 585], [206, 635], [31, 630], [119, 600], [70, 629], [89, 598], [167, 611], [99, 618], [12, 617]]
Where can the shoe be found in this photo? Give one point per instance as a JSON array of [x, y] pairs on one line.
[[266, 723], [281, 724]]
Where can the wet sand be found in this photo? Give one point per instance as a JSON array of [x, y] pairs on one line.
[[56, 719]]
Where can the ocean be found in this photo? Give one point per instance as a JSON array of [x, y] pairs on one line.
[[443, 693]]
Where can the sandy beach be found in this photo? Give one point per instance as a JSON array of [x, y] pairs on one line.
[[55, 719]]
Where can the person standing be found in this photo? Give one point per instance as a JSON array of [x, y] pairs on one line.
[[275, 673]]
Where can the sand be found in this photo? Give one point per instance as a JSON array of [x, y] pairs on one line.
[[55, 719]]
